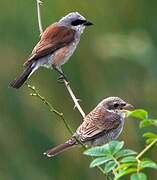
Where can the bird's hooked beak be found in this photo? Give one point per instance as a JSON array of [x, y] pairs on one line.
[[128, 107], [87, 23]]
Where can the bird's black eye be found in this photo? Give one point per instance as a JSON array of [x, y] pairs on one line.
[[123, 104], [116, 105], [78, 22]]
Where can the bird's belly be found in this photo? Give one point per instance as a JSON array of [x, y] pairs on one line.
[[62, 55], [46, 61], [106, 137], [58, 58]]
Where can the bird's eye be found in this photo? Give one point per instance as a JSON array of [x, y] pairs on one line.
[[78, 22], [123, 104], [116, 105]]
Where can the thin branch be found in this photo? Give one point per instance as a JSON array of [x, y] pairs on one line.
[[143, 152], [39, 16], [49, 105], [75, 100], [146, 149], [52, 109]]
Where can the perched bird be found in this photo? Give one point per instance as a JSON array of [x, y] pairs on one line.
[[57, 44], [103, 124]]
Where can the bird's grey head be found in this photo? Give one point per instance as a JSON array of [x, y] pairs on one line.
[[75, 21], [116, 104]]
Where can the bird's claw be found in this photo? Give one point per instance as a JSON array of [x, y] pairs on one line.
[[61, 79]]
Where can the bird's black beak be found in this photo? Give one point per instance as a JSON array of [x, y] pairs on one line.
[[88, 23], [128, 107]]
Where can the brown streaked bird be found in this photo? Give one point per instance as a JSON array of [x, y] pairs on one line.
[[103, 124], [57, 44]]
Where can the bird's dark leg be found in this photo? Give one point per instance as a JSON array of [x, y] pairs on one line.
[[61, 73]]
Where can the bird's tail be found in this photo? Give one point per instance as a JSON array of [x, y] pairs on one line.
[[58, 149], [19, 81]]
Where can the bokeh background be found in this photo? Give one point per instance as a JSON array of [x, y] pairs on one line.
[[116, 57]]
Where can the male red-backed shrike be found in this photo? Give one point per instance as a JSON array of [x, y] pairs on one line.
[[103, 124], [57, 44]]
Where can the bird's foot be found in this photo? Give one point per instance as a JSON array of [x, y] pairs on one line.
[[61, 79]]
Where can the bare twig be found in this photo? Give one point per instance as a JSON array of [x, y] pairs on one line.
[[75, 100], [39, 16], [49, 105], [52, 109]]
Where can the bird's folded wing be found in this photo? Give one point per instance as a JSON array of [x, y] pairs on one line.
[[96, 122], [52, 39]]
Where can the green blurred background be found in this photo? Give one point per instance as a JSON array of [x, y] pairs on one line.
[[116, 57]]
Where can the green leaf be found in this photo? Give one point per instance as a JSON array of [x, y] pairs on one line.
[[138, 113], [115, 146], [125, 152], [148, 164], [129, 159], [108, 149], [150, 140], [148, 122], [99, 161], [97, 151], [109, 166], [124, 173], [126, 166], [150, 135], [154, 122], [138, 176]]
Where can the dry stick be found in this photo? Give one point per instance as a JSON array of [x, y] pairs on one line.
[[49, 105], [75, 100], [39, 16]]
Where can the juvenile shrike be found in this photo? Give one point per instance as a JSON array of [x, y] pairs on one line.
[[103, 124], [57, 44]]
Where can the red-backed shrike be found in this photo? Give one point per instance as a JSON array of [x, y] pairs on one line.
[[57, 44], [103, 124]]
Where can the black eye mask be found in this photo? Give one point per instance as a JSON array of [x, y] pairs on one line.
[[78, 22]]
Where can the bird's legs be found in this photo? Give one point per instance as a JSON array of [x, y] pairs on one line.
[[61, 73]]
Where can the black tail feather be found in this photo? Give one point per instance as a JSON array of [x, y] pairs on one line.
[[19, 81], [58, 149]]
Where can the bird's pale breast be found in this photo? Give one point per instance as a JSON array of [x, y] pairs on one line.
[[62, 55]]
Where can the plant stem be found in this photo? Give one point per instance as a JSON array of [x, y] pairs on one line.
[[49, 105], [146, 149], [52, 109], [39, 16], [75, 100]]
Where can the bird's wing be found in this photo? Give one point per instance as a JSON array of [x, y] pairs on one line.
[[52, 39], [97, 121]]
